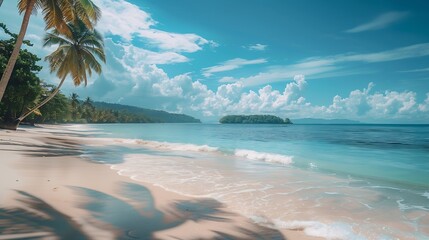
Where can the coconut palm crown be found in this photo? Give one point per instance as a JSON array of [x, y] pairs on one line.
[[57, 13], [77, 54]]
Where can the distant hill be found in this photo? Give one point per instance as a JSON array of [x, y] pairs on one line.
[[324, 121], [155, 116], [253, 119]]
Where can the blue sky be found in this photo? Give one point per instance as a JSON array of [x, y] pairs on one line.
[[361, 60]]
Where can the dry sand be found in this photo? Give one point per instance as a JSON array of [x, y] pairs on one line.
[[48, 190]]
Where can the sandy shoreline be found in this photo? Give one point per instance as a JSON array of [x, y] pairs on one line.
[[48, 190]]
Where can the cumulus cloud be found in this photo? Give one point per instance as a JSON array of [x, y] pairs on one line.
[[234, 98], [231, 65], [362, 104], [424, 107], [380, 22]]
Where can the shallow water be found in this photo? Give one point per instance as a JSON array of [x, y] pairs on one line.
[[332, 181]]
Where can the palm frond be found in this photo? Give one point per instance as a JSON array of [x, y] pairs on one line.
[[99, 52], [93, 12], [53, 39], [91, 61], [78, 53], [53, 14]]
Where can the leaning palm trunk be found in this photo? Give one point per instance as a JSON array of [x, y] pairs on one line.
[[15, 53], [24, 115]]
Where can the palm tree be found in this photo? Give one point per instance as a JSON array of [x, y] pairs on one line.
[[57, 13], [76, 55], [74, 104], [74, 100], [88, 109]]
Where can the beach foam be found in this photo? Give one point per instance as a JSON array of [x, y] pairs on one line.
[[426, 195], [318, 229], [169, 145], [262, 156], [249, 154]]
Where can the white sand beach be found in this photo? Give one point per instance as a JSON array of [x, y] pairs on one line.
[[48, 190]]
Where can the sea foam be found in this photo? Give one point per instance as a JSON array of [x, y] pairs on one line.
[[169, 145], [262, 156], [322, 230]]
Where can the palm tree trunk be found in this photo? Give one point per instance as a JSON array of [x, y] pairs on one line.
[[43, 102], [15, 53]]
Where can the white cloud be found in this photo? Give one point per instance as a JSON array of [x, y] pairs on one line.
[[231, 65], [128, 21], [256, 47], [380, 22], [416, 70], [424, 107], [174, 41], [122, 18], [142, 56], [317, 67], [147, 85], [234, 98], [174, 87]]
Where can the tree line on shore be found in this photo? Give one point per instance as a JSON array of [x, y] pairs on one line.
[[254, 119]]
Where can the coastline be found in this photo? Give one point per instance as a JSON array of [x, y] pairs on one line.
[[48, 189]]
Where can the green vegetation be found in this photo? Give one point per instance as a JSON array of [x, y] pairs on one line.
[[76, 56], [57, 14], [26, 89], [73, 110], [152, 115], [254, 119]]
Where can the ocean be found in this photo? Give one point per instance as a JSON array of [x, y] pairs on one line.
[[330, 181]]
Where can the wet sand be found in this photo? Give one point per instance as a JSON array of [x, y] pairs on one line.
[[47, 190]]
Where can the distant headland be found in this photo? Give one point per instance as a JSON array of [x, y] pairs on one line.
[[253, 119]]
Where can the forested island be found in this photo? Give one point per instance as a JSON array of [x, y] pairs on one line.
[[254, 119]]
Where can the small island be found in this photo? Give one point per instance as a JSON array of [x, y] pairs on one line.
[[253, 119]]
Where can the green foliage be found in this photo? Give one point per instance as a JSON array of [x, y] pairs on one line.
[[25, 89], [73, 110], [77, 54], [150, 114], [57, 110], [254, 119], [24, 86], [287, 121]]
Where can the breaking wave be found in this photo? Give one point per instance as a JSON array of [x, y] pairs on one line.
[[262, 156]]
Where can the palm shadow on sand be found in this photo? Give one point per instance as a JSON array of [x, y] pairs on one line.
[[138, 217], [133, 216], [37, 220]]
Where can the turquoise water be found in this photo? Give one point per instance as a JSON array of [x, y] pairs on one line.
[[332, 181]]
